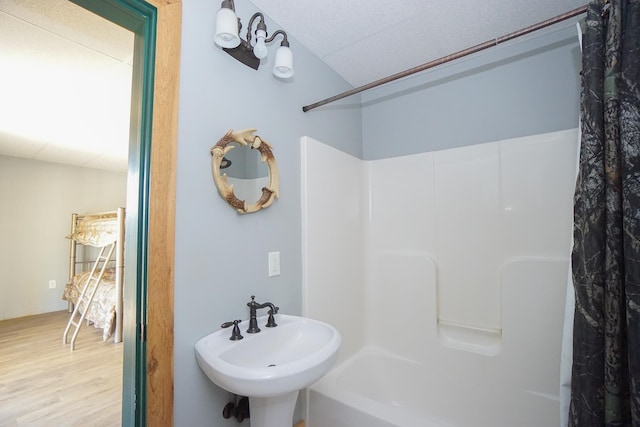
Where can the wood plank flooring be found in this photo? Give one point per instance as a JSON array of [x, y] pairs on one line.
[[43, 383]]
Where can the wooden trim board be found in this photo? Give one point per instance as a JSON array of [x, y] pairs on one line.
[[162, 190]]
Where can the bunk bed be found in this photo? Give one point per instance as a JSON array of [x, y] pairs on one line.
[[94, 289]]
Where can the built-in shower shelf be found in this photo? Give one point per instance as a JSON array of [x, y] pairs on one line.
[[474, 339]]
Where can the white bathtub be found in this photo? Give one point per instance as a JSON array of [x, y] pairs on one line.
[[369, 390], [375, 388]]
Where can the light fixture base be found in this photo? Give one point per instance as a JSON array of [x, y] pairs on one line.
[[244, 54]]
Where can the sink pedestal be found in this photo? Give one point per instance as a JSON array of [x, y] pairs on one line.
[[274, 411]]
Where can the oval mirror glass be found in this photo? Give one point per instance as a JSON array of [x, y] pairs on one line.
[[245, 171]]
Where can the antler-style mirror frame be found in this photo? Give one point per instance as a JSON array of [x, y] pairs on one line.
[[245, 138]]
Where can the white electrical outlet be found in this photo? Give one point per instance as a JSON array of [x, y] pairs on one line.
[[52, 284], [274, 264]]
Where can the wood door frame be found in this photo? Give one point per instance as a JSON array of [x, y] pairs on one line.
[[161, 226]]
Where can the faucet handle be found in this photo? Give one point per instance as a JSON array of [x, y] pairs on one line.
[[271, 321], [253, 302], [235, 333]]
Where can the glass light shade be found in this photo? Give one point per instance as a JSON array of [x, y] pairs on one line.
[[283, 66], [227, 28], [260, 49]]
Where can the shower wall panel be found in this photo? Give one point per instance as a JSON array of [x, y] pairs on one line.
[[467, 203], [428, 236], [469, 213], [452, 262], [333, 208]]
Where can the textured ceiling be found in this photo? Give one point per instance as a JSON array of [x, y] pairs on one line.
[[61, 64], [66, 85], [366, 40]]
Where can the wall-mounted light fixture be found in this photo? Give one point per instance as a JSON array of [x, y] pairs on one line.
[[227, 28]]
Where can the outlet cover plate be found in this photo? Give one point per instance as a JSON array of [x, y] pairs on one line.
[[274, 264]]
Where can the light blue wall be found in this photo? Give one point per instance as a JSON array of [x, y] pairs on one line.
[[524, 87], [221, 256]]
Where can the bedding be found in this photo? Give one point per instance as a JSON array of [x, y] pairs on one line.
[[102, 312], [96, 230]]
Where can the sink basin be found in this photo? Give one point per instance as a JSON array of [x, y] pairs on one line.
[[275, 361]]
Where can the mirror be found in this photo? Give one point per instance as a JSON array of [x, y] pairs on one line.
[[245, 171]]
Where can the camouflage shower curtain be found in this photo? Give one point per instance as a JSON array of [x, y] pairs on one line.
[[605, 384]]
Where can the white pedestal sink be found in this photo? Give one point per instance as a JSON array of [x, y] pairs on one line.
[[270, 367]]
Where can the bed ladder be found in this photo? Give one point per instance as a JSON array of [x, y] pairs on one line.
[[88, 292]]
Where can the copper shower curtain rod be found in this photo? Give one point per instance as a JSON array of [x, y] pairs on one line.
[[452, 57]]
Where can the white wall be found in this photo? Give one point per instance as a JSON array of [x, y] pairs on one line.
[[36, 203], [466, 255]]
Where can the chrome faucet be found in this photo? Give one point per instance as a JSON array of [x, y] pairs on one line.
[[253, 322]]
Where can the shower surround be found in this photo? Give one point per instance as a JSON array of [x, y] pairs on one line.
[[446, 274]]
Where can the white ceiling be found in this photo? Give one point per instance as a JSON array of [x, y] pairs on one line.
[[66, 85], [66, 73], [366, 40]]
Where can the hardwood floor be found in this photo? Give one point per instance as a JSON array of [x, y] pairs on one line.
[[43, 383]]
